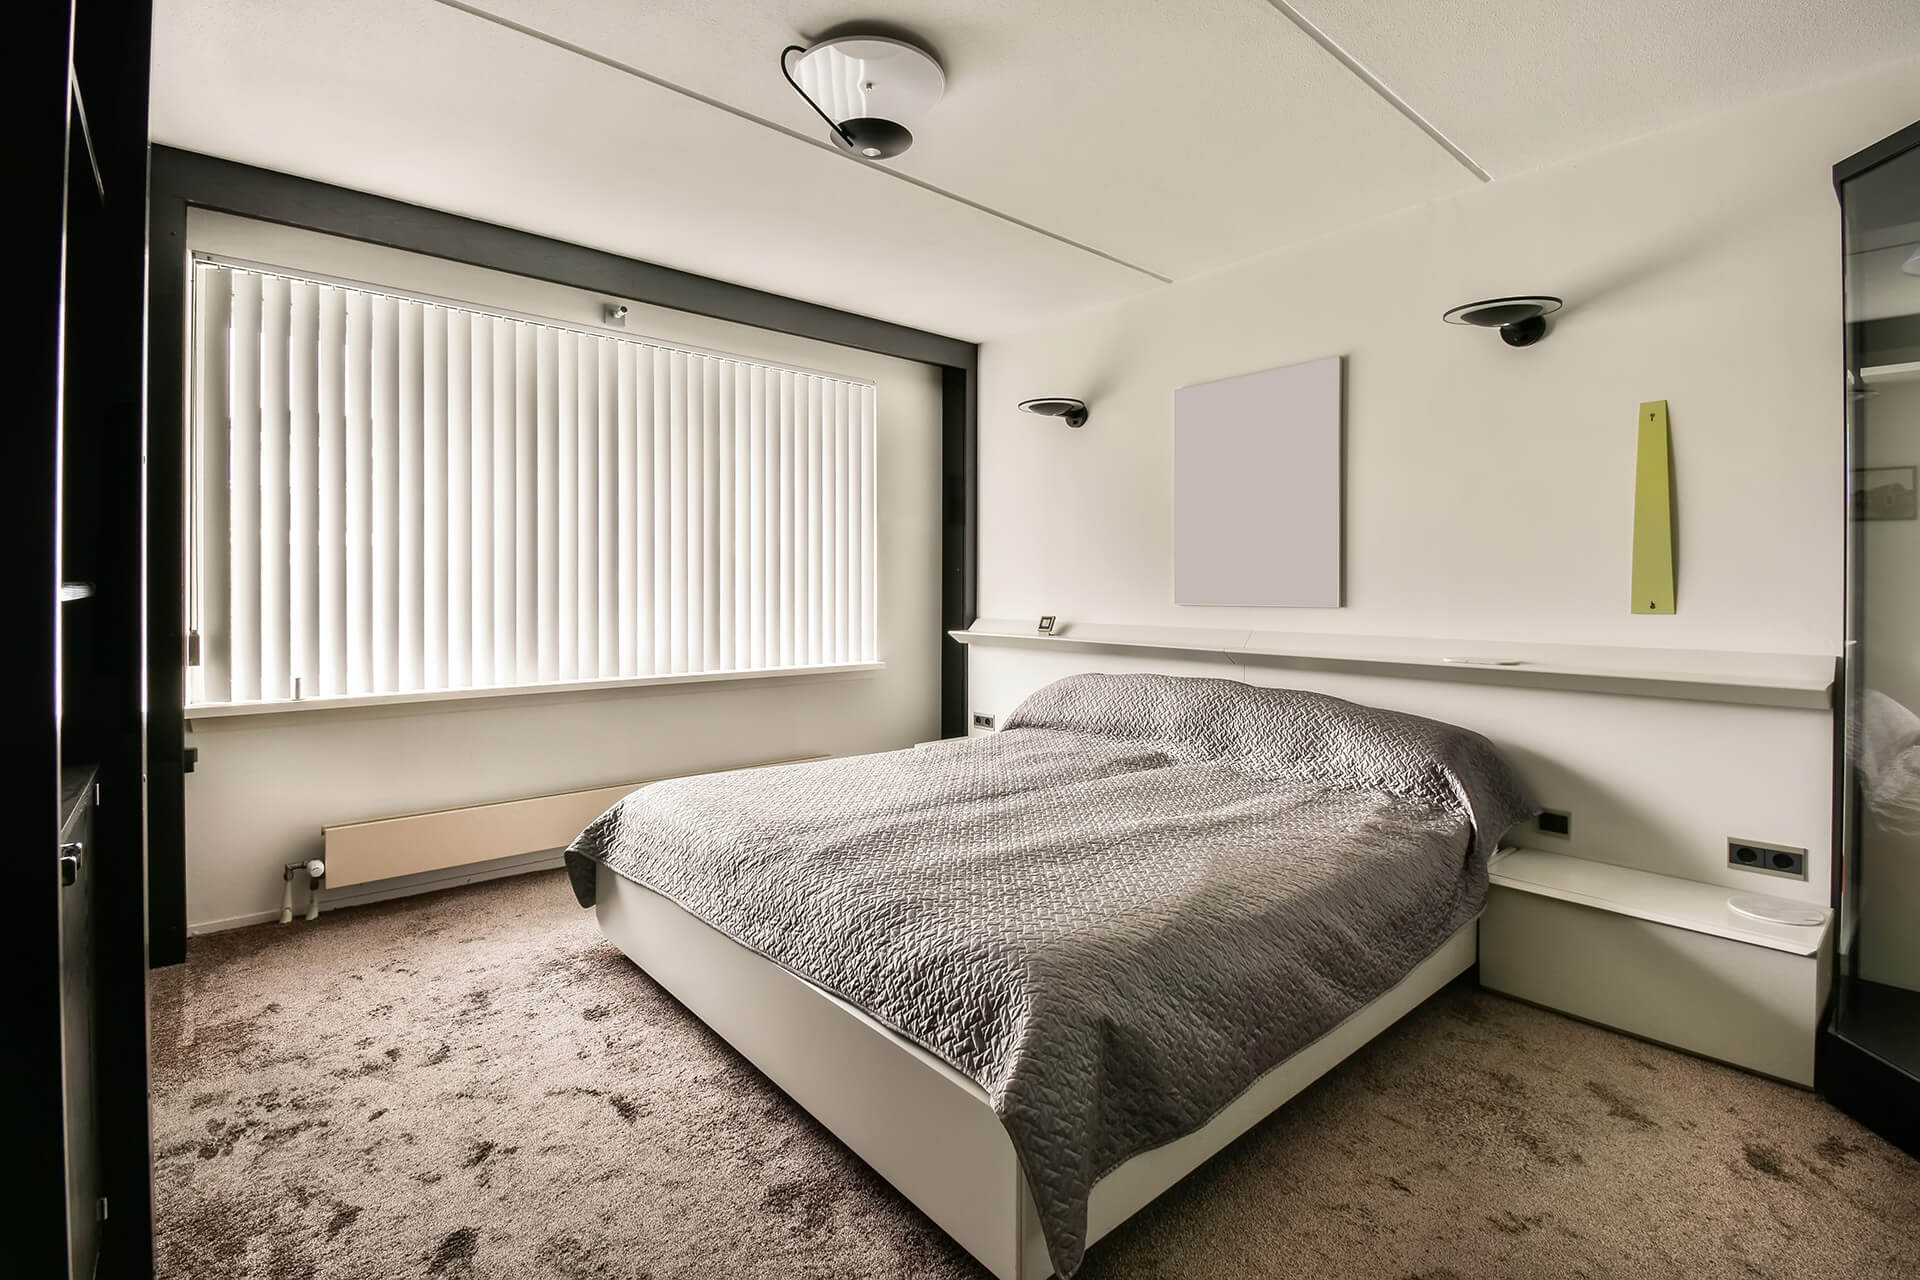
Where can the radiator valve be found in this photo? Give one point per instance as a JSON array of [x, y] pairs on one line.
[[315, 870]]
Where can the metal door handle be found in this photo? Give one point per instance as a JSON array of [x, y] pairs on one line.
[[70, 861]]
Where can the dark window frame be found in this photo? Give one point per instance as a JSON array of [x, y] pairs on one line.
[[183, 180]]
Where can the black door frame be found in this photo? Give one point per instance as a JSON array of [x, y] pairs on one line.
[[182, 180], [73, 494]]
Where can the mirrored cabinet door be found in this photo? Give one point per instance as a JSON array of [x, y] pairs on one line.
[[1876, 1014]]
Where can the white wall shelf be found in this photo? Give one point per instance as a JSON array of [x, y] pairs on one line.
[[1682, 904], [1762, 679], [1907, 371]]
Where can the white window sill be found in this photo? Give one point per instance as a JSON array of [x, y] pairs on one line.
[[224, 710]]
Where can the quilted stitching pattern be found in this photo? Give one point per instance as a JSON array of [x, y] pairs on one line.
[[1114, 915]]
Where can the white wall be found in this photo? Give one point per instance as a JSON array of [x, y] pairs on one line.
[[266, 784], [1489, 490]]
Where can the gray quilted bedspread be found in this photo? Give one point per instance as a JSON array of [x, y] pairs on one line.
[[1114, 915]]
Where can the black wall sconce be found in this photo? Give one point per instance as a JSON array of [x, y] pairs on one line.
[[1074, 412], [1521, 321]]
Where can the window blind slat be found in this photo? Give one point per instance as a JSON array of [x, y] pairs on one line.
[[723, 517], [757, 516], [434, 497], [789, 517], [458, 482], [410, 488], [712, 412], [547, 507], [568, 491], [213, 310], [244, 544], [856, 438], [840, 519], [740, 563], [607, 509], [812, 482], [645, 431], [303, 484], [662, 512], [330, 673], [627, 534], [821, 561], [869, 523], [485, 445], [694, 618], [583, 532], [395, 495], [526, 522], [358, 507], [385, 500], [274, 439], [675, 476]]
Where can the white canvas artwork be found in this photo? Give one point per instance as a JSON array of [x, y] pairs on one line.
[[1256, 489]]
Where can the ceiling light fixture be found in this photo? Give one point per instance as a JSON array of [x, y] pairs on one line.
[[1072, 412], [1521, 321], [864, 87], [1912, 265]]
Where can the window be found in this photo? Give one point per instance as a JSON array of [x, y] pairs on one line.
[[398, 495]]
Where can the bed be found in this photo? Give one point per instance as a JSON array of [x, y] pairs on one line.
[[1035, 978]]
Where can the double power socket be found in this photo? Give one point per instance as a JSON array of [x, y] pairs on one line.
[[1769, 859]]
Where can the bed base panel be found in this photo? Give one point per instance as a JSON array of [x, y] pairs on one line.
[[924, 1127]]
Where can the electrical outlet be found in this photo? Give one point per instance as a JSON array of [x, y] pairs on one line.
[[1769, 859], [1555, 822], [981, 720]]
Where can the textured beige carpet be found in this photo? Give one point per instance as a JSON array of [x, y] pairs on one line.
[[474, 1084]]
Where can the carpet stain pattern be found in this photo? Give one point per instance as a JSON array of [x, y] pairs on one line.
[[475, 1084]]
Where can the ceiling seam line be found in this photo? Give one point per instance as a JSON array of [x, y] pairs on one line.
[[1379, 86], [614, 64]]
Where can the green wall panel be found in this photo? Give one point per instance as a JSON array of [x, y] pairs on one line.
[[1653, 513]]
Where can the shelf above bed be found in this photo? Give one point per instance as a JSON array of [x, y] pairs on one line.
[[1761, 679]]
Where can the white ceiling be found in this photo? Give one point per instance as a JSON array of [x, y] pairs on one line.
[[1084, 151], [1520, 85]]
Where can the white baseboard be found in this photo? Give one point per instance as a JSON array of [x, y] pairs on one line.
[[400, 887]]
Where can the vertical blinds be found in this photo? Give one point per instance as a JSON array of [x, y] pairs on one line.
[[394, 495]]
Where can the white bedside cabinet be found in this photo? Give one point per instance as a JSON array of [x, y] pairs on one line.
[[1657, 957]]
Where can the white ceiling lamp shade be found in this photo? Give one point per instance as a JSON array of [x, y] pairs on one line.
[[1912, 265], [869, 89]]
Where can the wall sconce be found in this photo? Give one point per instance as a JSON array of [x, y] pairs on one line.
[[1073, 411], [1521, 321]]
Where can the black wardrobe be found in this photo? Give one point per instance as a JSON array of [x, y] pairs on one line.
[[76, 1137]]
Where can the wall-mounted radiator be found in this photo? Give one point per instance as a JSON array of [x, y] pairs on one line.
[[411, 843]]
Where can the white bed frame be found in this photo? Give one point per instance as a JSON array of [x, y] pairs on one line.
[[922, 1125]]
